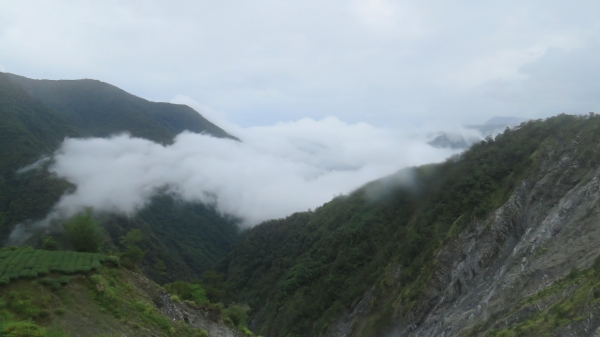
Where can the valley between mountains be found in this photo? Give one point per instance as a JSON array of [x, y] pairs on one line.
[[499, 240]]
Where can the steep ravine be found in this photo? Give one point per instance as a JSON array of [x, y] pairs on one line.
[[549, 225]]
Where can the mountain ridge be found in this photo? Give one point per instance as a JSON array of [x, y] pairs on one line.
[[99, 109], [36, 116]]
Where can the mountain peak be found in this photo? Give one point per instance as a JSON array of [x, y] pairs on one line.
[[98, 109]]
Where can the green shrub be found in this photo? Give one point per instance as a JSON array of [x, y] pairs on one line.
[[188, 292], [22, 304], [575, 272], [596, 265], [237, 314], [113, 259], [23, 329], [55, 283], [47, 281], [84, 233], [95, 264], [48, 243]]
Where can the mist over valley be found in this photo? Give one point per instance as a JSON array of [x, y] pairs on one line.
[[363, 168]]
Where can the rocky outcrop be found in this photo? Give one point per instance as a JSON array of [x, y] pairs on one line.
[[202, 318], [549, 225]]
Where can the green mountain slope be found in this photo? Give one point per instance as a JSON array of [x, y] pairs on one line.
[[62, 294], [300, 274], [28, 131], [98, 109], [183, 239], [28, 128]]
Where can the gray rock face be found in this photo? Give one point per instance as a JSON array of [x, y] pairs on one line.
[[549, 225], [204, 319], [198, 318]]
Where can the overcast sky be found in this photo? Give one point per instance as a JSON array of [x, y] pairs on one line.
[[386, 63], [325, 95]]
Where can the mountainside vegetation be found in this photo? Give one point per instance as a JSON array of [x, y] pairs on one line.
[[181, 240], [399, 254], [29, 131], [97, 109], [84, 294], [301, 273]]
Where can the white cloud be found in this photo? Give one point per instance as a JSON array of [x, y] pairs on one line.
[[275, 171]]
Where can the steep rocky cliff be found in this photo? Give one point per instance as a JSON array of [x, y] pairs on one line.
[[498, 241], [201, 318], [524, 270]]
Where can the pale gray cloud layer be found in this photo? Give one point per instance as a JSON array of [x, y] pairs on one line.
[[383, 62], [275, 171]]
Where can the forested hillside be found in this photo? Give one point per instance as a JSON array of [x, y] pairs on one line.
[[181, 239], [368, 262], [97, 109], [29, 131]]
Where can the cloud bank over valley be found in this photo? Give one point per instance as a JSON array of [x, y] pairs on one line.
[[275, 170]]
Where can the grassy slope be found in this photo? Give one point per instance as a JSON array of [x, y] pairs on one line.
[[300, 273], [107, 302]]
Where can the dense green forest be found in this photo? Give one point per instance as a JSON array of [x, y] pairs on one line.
[[28, 132], [181, 240], [300, 273]]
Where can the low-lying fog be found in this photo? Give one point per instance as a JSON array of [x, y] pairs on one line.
[[274, 171]]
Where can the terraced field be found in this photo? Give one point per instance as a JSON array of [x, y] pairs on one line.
[[30, 263]]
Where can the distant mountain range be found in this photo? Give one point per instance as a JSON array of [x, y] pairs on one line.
[[491, 127]]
